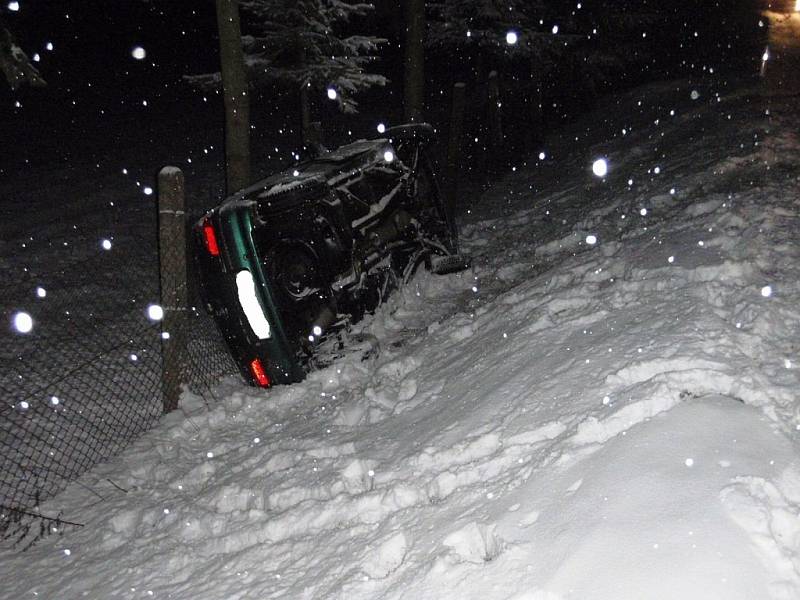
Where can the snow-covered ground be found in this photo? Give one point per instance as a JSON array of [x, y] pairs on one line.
[[604, 407]]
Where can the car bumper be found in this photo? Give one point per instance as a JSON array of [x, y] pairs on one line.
[[237, 294]]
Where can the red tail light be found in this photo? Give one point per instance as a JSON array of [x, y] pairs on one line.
[[257, 370], [211, 238]]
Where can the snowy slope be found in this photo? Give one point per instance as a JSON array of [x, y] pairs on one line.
[[606, 420]]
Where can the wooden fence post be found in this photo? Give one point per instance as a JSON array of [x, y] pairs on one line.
[[414, 62], [495, 120], [454, 144], [173, 279]]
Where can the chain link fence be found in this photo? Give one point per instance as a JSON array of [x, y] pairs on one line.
[[87, 364]]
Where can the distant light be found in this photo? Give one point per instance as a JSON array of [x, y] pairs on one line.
[[591, 240], [13, 6], [106, 244], [41, 292], [555, 29], [332, 93], [155, 312], [388, 156], [512, 38], [600, 167], [49, 46], [23, 322], [382, 127], [766, 291], [138, 53]]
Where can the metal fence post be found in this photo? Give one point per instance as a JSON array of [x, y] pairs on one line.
[[174, 291], [454, 144]]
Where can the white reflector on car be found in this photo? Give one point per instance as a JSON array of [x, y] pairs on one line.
[[248, 300]]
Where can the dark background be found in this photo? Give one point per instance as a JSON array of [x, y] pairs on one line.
[[93, 112]]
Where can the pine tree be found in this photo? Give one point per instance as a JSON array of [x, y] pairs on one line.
[[296, 43], [15, 64], [472, 29]]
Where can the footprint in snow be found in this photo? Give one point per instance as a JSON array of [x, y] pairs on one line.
[[475, 543], [387, 558]]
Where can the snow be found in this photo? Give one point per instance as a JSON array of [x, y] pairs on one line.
[[155, 312], [23, 322], [600, 167], [614, 419]]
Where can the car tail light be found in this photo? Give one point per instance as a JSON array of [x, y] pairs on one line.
[[257, 370], [210, 237]]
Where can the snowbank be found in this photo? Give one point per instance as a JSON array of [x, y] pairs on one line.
[[604, 407]]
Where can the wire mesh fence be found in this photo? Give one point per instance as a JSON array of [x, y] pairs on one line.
[[84, 349], [87, 362]]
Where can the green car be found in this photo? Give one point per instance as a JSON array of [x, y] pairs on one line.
[[295, 258]]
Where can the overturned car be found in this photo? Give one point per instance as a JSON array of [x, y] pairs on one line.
[[297, 257]]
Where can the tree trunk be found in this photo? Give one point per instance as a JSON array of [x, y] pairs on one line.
[[305, 112], [454, 145], [414, 87], [237, 100]]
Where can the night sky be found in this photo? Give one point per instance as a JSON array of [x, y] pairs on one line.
[[99, 96], [101, 100]]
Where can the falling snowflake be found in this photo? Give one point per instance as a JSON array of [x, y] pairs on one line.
[[155, 312], [138, 53], [23, 322], [600, 167]]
